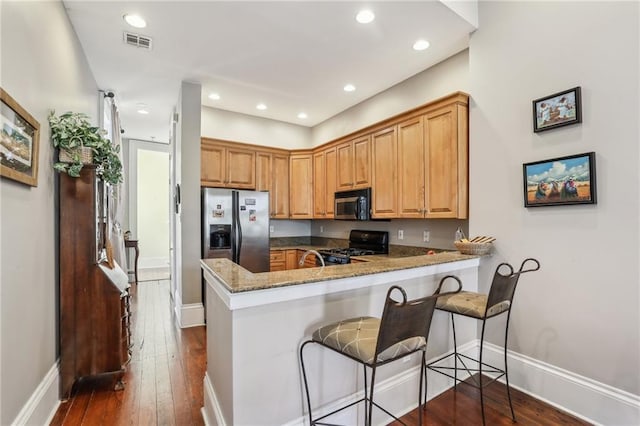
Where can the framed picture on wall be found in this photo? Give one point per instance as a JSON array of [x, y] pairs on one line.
[[557, 110], [560, 181], [19, 142]]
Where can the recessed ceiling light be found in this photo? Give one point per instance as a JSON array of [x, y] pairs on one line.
[[420, 45], [365, 16], [302, 115], [135, 20], [214, 96], [349, 88], [261, 107], [143, 111]]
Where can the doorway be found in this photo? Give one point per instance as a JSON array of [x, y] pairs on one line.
[[149, 207]]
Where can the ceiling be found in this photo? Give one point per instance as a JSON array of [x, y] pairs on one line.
[[292, 56]]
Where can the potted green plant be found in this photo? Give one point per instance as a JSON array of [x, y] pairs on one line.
[[81, 143]]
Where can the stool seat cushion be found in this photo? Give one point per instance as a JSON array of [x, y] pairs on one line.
[[470, 304], [357, 337]]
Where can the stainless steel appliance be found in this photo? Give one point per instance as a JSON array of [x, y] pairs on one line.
[[235, 225], [361, 243], [353, 205]]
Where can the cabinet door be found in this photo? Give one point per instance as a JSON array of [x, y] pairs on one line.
[[330, 162], [384, 176], [292, 259], [279, 197], [301, 186], [319, 190], [411, 168], [212, 165], [441, 146], [344, 171], [362, 162], [241, 168], [263, 172]]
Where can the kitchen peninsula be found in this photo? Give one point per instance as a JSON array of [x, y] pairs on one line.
[[257, 321]]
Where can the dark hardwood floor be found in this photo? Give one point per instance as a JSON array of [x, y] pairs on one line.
[[164, 382], [462, 407]]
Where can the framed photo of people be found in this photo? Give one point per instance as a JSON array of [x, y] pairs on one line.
[[560, 181], [557, 110], [19, 142]]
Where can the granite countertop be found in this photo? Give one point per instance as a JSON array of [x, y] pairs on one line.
[[236, 279]]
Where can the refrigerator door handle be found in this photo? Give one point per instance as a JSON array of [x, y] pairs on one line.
[[234, 237]]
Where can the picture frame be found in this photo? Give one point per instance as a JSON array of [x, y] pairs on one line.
[[557, 110], [560, 181], [19, 142]]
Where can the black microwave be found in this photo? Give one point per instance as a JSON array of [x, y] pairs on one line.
[[353, 205]]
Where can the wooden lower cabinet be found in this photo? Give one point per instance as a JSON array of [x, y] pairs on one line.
[[277, 260], [309, 261], [284, 260]]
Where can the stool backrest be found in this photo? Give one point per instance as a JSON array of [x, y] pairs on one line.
[[503, 286], [408, 318]]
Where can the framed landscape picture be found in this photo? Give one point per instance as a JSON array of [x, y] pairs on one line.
[[557, 110], [19, 142], [560, 181]]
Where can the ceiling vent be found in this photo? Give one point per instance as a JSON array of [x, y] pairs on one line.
[[137, 40]]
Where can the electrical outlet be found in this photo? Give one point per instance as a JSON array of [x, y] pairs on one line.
[[400, 234], [426, 236], [321, 229], [271, 229]]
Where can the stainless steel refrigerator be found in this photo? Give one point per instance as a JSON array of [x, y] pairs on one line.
[[235, 225]]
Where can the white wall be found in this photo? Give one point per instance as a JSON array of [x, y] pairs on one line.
[[43, 68], [189, 278], [581, 311], [440, 80], [237, 127], [289, 228]]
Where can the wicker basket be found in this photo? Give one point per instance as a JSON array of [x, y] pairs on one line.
[[473, 248], [86, 155]]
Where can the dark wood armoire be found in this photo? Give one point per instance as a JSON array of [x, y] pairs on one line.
[[94, 298]]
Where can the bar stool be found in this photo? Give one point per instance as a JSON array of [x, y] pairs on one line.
[[482, 307], [402, 330]]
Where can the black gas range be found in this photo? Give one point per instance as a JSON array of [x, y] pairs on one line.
[[361, 243]]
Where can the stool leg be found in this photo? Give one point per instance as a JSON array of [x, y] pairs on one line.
[[506, 371], [423, 375], [366, 410], [306, 385], [484, 321], [370, 405], [455, 354]]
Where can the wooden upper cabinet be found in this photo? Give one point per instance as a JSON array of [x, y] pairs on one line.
[[226, 166], [319, 185], [272, 174], [384, 147], [354, 164], [279, 196], [446, 148], [301, 186], [331, 164], [411, 168], [263, 172], [362, 162], [213, 168], [324, 183]]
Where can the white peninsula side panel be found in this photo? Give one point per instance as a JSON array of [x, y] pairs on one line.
[[253, 375]]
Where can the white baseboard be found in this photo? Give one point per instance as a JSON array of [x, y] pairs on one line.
[[43, 403], [153, 262], [211, 405], [580, 396], [190, 315]]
